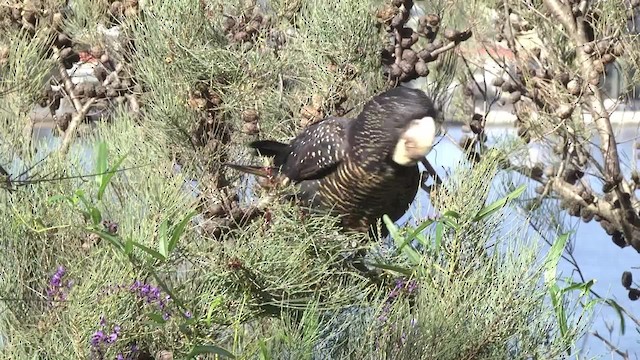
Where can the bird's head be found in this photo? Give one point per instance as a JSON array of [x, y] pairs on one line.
[[398, 124]]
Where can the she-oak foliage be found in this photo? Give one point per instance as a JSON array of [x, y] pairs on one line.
[[120, 264]]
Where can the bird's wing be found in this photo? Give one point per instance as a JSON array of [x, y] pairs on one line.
[[318, 150]]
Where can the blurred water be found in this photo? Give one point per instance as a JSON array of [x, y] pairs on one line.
[[598, 257]]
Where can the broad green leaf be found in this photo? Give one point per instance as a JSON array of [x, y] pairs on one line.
[[57, 198], [439, 235], [401, 242], [451, 214], [114, 240], [421, 228], [101, 159], [96, 216], [162, 239], [179, 230], [264, 352], [156, 318], [398, 269], [618, 310], [498, 204], [393, 229], [149, 251], [128, 246], [107, 175], [583, 287], [209, 349], [553, 257]]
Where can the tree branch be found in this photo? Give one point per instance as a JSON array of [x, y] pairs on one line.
[[593, 99]]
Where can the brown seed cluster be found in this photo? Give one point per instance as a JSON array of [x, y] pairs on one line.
[[402, 62], [29, 15], [119, 10], [250, 122], [245, 26], [627, 282]]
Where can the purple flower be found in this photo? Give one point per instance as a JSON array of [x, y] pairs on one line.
[[55, 291], [119, 356], [412, 286], [166, 316], [188, 314], [97, 338], [103, 321], [112, 338]]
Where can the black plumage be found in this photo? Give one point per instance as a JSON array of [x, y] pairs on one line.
[[359, 168]]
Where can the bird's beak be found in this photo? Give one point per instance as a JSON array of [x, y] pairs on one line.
[[415, 142]]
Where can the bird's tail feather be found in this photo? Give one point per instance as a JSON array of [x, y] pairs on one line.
[[269, 147], [263, 171]]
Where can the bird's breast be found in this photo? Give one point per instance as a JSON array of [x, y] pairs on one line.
[[363, 193]]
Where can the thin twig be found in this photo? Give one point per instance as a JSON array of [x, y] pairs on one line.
[[600, 116], [624, 355], [75, 121]]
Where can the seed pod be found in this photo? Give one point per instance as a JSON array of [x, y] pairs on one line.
[[16, 14], [603, 46], [586, 215], [536, 172], [598, 65], [515, 97], [250, 128], [63, 121], [55, 103], [57, 21], [594, 78], [523, 133], [408, 42], [395, 71], [508, 86], [574, 87], [476, 124], [100, 73], [432, 19], [406, 67], [587, 48], [451, 34], [574, 209], [249, 115], [111, 92], [96, 51], [425, 55], [608, 58], [409, 56], [120, 100], [101, 92], [116, 9], [618, 49], [241, 36], [228, 23], [634, 294], [588, 197], [105, 59], [550, 171], [397, 20], [498, 81], [563, 78], [421, 68], [29, 16], [617, 237], [90, 90], [564, 111]]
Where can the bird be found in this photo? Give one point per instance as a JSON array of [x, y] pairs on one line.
[[357, 168]]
